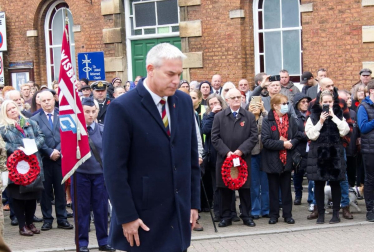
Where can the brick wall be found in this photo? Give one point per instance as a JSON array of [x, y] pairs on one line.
[[24, 15], [332, 38]]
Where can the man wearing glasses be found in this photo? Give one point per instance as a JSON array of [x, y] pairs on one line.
[[244, 86], [243, 123], [216, 84]]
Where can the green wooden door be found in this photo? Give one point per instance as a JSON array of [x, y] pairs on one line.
[[140, 48]]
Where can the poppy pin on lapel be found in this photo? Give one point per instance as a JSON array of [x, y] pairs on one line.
[[242, 123]]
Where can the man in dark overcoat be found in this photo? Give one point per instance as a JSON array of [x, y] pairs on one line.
[[151, 164], [234, 131], [99, 89]]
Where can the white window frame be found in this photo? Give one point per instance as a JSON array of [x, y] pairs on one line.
[[256, 29], [130, 37], [48, 45]]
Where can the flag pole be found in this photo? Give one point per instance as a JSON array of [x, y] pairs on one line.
[[78, 156]]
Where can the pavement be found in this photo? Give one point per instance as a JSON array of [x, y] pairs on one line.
[[346, 235]]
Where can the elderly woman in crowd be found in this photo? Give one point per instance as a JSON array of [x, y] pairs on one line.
[[279, 136], [325, 127], [215, 105], [259, 180], [14, 128]]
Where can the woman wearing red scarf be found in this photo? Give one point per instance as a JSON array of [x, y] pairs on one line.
[[14, 128], [279, 137]]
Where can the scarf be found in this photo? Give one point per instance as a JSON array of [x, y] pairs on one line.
[[283, 131]]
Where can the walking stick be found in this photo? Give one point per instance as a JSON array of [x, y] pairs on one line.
[[207, 201]]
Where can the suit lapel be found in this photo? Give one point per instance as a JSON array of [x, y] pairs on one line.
[[150, 106], [55, 120], [45, 120], [173, 111]]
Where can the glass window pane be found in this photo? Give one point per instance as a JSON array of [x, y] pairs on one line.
[[290, 13], [175, 28], [138, 32], [271, 14], [150, 31], [57, 58], [145, 14], [273, 56], [163, 30], [261, 42], [291, 51], [167, 12], [57, 28]]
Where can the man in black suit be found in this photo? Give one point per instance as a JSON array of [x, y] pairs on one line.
[[243, 124], [99, 93], [217, 84], [49, 124]]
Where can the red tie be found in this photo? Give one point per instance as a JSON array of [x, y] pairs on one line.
[[164, 116]]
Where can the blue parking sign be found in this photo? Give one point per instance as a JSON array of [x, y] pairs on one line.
[[91, 66]]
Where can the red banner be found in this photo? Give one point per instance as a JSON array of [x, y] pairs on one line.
[[75, 149]]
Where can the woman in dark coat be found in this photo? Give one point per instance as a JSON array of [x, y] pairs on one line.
[[301, 102], [326, 152], [279, 136], [14, 128]]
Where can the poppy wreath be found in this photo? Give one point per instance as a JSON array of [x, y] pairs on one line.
[[231, 183], [15, 176]]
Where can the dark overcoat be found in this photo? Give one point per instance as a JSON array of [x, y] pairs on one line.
[[102, 112], [231, 134], [148, 174], [271, 162]]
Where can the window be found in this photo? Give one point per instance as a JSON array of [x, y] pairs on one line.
[[54, 28], [278, 37], [154, 17]]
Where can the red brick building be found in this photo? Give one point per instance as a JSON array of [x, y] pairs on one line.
[[236, 38]]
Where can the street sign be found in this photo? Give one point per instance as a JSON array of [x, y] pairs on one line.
[[1, 68], [91, 66], [3, 44]]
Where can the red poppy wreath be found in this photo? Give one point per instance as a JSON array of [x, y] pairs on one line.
[[230, 182], [17, 177]]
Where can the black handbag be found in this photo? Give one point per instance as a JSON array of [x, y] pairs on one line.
[[296, 160], [35, 186]]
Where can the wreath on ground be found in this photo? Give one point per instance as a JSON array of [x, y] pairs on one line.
[[27, 178], [234, 177]]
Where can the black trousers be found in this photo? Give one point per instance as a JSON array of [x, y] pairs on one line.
[[360, 172], [226, 196], [53, 187], [24, 211], [280, 182], [351, 170], [369, 181], [319, 194]]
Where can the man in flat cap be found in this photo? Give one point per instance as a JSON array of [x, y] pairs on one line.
[[99, 93], [365, 77], [91, 189]]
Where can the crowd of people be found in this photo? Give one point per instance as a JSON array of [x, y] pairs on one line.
[[279, 133]]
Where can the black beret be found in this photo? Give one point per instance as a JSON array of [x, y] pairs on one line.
[[88, 101]]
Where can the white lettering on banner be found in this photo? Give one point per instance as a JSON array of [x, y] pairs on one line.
[[68, 67]]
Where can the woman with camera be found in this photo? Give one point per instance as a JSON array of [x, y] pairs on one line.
[[325, 127]]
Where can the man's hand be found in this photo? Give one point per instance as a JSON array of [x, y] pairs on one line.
[[238, 153], [229, 153], [193, 218], [130, 231], [55, 155], [200, 160]]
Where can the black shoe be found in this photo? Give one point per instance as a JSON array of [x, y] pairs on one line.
[[84, 249], [370, 216], [14, 222], [106, 248], [225, 223], [249, 223], [321, 219], [273, 220], [256, 217], [36, 219], [64, 225], [46, 226], [235, 219], [265, 216], [69, 215], [216, 219], [289, 220], [297, 201]]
